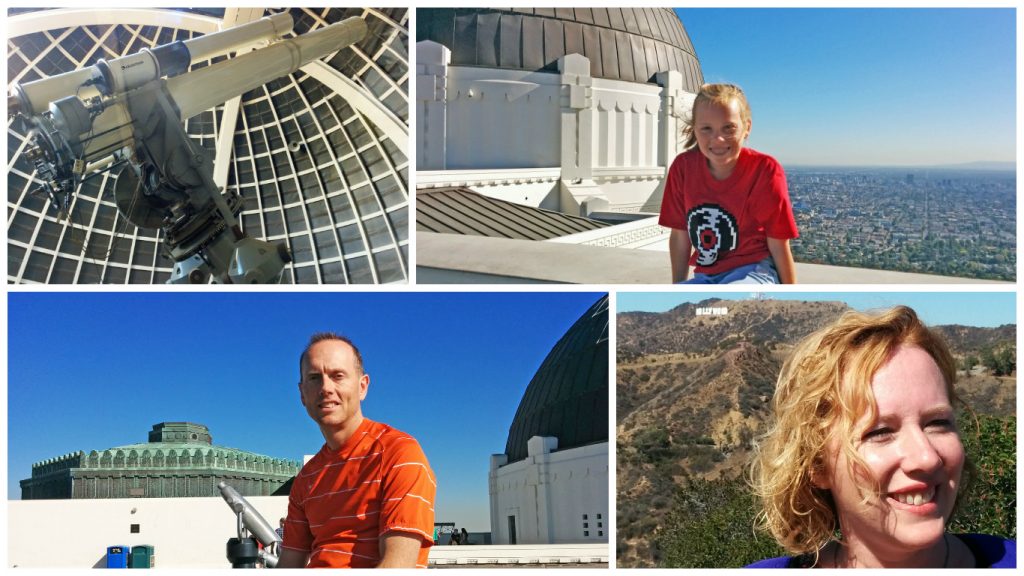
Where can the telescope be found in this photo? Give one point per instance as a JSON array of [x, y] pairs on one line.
[[242, 551], [127, 114]]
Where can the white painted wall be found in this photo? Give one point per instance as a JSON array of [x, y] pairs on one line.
[[187, 532], [496, 118], [502, 118], [639, 191], [626, 123], [549, 493], [193, 532], [609, 141]]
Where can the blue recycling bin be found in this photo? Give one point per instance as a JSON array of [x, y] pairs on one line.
[[117, 556]]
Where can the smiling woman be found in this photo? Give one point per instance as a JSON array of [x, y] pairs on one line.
[[862, 465]]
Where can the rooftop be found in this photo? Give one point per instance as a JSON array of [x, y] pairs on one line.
[[457, 210]]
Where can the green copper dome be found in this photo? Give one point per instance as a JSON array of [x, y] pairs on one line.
[[179, 460]]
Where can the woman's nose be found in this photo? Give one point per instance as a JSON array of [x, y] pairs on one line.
[[919, 452]]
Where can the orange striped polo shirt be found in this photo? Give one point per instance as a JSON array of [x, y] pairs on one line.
[[342, 502]]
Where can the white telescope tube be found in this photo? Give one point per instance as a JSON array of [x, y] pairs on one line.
[[33, 98], [253, 520], [207, 87], [130, 72], [234, 39], [136, 69]]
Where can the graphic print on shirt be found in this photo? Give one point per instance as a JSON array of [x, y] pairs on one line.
[[712, 232]]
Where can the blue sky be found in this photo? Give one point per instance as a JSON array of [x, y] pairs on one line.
[[868, 86], [988, 309], [97, 370]]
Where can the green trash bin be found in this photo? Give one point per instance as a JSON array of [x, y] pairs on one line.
[[143, 556]]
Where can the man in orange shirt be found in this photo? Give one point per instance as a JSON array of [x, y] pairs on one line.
[[367, 498]]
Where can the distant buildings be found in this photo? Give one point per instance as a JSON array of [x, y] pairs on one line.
[[950, 223]]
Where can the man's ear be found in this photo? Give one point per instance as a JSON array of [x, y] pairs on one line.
[[364, 385], [302, 397]]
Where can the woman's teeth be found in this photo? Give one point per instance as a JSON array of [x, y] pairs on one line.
[[915, 498]]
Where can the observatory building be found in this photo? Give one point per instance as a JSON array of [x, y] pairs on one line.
[[544, 126], [179, 460], [317, 156], [550, 486]]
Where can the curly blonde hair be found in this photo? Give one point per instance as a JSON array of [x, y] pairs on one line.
[[720, 94], [823, 391]]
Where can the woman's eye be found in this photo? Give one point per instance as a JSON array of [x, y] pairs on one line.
[[942, 424], [878, 435]]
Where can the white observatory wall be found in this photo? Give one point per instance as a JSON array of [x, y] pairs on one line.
[[502, 118], [549, 494], [626, 141], [186, 532], [501, 132], [626, 121]]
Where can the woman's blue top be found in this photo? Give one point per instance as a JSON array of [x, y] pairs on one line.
[[989, 552]]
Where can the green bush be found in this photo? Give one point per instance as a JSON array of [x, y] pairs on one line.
[[988, 503], [1001, 362], [711, 526]]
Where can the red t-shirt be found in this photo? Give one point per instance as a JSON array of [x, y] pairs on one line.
[[342, 502], [728, 221]]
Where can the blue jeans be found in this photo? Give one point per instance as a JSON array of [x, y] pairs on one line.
[[762, 272]]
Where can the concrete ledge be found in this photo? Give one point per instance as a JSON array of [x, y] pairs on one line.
[[523, 554], [457, 259]]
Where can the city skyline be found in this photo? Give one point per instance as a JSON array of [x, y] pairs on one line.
[[940, 222], [868, 87], [436, 371]]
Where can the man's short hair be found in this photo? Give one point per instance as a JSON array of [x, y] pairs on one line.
[[322, 336]]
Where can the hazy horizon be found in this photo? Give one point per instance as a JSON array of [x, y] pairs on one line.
[[980, 166]]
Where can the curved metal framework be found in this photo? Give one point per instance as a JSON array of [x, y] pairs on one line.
[[319, 156]]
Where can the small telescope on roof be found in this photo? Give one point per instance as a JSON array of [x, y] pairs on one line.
[[128, 113], [243, 551]]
